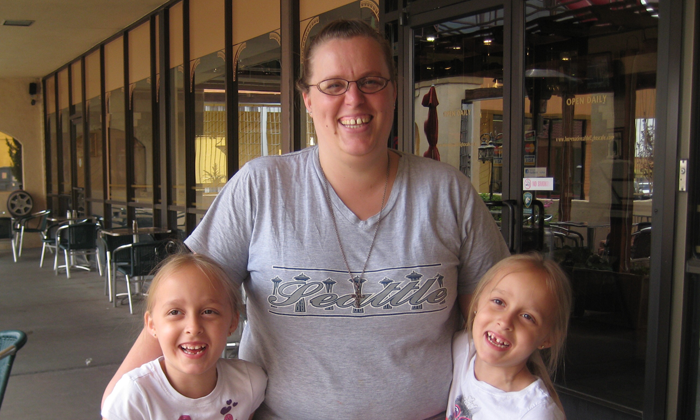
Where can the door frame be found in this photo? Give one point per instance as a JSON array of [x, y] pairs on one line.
[[423, 12]]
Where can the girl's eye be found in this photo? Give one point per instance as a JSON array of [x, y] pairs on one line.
[[174, 312], [529, 317], [497, 301], [209, 312]]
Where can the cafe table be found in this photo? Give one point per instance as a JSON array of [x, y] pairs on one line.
[[116, 237]]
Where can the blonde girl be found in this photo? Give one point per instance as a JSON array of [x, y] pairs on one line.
[[192, 308], [512, 344]]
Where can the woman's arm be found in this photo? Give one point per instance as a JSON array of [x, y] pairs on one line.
[[145, 349]]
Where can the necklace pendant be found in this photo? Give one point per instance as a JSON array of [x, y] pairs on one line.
[[357, 285]]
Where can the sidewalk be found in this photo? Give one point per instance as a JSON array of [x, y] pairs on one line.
[[75, 339]]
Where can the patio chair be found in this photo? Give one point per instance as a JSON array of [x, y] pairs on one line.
[[10, 343], [48, 239], [78, 239], [107, 244], [7, 233], [143, 258], [33, 223]]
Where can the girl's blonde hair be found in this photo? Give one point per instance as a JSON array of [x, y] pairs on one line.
[[542, 363], [211, 269]]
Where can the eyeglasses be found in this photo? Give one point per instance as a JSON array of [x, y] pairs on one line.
[[336, 87]]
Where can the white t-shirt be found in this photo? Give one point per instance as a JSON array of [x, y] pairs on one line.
[[472, 399], [145, 393]]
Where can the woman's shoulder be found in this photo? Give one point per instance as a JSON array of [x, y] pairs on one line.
[[287, 160], [423, 164]]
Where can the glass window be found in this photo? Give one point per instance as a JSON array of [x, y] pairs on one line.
[[257, 51], [52, 144], [65, 124], [209, 68], [142, 113], [458, 87], [259, 77], [590, 79], [94, 115], [177, 109], [116, 124], [77, 110]]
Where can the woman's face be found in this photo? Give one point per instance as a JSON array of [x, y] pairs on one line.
[[354, 123]]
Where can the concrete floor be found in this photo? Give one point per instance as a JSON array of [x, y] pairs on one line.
[[76, 339]]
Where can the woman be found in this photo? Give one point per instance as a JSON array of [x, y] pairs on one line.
[[352, 255]]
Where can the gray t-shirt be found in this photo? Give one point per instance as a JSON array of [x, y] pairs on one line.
[[271, 230]]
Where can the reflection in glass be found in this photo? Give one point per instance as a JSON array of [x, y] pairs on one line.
[[142, 142], [458, 93], [53, 152], [258, 75], [66, 148], [79, 147], [94, 114], [210, 127], [177, 135], [590, 80], [116, 141]]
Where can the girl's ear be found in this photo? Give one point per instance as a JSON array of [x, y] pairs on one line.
[[545, 344], [234, 323], [148, 323]]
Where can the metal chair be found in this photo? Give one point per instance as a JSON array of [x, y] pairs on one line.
[[48, 239], [7, 233], [107, 244], [10, 343], [33, 223], [77, 239], [143, 258]]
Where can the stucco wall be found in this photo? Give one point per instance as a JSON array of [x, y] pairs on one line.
[[21, 120]]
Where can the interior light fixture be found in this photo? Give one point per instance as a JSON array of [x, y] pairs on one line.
[[17, 22], [430, 38], [488, 41]]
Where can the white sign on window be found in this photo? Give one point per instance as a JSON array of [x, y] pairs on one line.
[[538, 184]]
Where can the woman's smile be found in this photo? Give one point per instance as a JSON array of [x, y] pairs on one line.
[[352, 123]]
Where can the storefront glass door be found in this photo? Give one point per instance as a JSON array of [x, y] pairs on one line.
[[588, 141], [584, 153]]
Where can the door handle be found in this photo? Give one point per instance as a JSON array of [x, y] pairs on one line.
[[507, 220]]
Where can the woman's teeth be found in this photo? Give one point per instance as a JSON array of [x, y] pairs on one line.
[[497, 342], [355, 122], [193, 349]]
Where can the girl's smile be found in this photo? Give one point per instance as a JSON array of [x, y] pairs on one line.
[[191, 320], [512, 321]]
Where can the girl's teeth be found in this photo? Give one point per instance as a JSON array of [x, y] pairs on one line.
[[497, 342], [193, 349]]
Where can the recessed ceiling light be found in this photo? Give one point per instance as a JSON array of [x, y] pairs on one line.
[[17, 22]]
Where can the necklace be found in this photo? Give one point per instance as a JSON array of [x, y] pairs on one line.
[[356, 280]]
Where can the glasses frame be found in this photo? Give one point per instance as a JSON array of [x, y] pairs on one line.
[[347, 87]]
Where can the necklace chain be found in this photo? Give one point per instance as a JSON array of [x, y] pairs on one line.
[[357, 280]]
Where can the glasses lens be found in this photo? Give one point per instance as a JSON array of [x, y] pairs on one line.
[[333, 86], [371, 84]]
